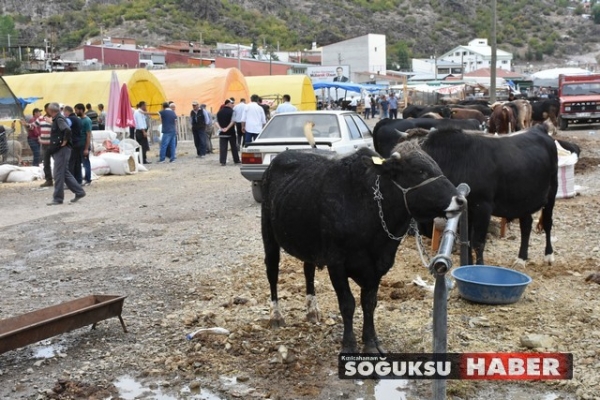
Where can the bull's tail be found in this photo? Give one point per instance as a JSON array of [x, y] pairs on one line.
[[309, 133]]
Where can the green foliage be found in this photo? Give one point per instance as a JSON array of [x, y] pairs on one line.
[[12, 67], [579, 9], [596, 13]]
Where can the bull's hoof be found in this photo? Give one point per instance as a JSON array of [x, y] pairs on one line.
[[519, 263], [276, 323], [313, 314], [374, 348], [549, 259], [350, 349]]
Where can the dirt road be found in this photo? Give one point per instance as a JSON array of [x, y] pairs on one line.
[[182, 241]]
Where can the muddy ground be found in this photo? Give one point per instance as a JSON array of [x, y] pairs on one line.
[[182, 242]]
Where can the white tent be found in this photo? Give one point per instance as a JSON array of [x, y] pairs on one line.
[[549, 77]]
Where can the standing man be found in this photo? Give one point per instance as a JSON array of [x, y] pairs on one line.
[[286, 106], [198, 129], [367, 106], [168, 119], [60, 149], [33, 135], [77, 144], [101, 117], [45, 124], [93, 116], [226, 126], [254, 119], [393, 105], [209, 128], [238, 115], [86, 131], [141, 130]]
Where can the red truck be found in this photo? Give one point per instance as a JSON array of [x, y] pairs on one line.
[[579, 99]]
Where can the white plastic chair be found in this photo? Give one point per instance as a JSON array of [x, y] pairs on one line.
[[131, 147]]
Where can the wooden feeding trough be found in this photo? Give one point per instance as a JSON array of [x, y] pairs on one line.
[[42, 324]]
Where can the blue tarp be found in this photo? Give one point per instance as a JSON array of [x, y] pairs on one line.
[[27, 100], [350, 87]]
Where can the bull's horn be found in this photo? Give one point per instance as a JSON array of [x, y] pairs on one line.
[[403, 135], [395, 155]]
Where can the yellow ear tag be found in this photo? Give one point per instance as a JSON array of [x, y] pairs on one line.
[[378, 160]]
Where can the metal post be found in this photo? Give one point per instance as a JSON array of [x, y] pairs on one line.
[[440, 265]]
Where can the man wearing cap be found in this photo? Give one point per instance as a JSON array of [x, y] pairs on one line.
[[254, 119], [199, 129], [168, 119]]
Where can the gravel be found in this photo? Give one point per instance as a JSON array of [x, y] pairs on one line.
[[182, 241]]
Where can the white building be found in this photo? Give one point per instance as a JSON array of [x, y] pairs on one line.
[[362, 54], [435, 68], [478, 54]]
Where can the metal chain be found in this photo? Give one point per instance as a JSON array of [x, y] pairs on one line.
[[378, 196], [423, 254]]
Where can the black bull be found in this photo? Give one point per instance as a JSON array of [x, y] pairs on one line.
[[510, 176], [322, 211], [385, 133]]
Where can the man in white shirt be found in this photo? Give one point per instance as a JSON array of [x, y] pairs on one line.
[[141, 129], [254, 119], [286, 106], [238, 117]]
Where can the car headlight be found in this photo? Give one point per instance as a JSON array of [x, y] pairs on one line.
[[567, 108]]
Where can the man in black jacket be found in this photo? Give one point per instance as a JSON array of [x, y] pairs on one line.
[[226, 126], [60, 149], [77, 144], [199, 129]]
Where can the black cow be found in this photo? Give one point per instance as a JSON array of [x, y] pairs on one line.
[[510, 176], [386, 133], [321, 210], [415, 111], [543, 109]]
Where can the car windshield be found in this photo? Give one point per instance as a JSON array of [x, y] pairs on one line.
[[581, 89], [292, 126]]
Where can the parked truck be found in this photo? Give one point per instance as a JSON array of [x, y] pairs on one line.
[[579, 99]]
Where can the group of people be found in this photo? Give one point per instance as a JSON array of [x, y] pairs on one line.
[[387, 106], [63, 133], [241, 123]]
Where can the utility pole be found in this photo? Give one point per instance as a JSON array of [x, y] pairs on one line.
[[239, 59], [494, 56], [102, 44]]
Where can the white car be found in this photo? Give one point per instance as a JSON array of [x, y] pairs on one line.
[[342, 132]]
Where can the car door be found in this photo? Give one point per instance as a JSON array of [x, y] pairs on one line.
[[359, 134]]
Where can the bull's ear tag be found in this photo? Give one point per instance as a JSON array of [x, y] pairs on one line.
[[377, 160]]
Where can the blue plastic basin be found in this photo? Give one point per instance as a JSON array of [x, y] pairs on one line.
[[490, 285]]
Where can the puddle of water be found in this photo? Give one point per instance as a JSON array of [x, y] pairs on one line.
[[401, 389], [130, 389], [385, 389], [47, 351]]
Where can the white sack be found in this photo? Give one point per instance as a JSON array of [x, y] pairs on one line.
[[120, 164]]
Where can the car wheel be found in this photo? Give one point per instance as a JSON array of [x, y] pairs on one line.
[[564, 124], [257, 191]]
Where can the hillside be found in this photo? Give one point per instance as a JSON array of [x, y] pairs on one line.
[[534, 30]]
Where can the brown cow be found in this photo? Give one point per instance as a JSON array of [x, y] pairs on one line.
[[523, 116], [463, 113], [503, 119]]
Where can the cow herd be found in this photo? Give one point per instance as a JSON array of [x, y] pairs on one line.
[[349, 214]]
